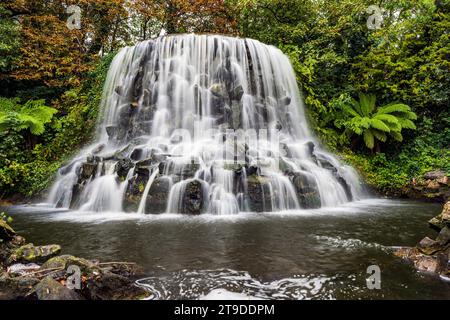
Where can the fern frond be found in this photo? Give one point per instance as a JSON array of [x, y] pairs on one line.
[[369, 139], [379, 125]]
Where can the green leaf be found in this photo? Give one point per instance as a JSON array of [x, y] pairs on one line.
[[369, 139], [379, 125]]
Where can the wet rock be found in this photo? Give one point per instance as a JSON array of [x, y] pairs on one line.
[[137, 154], [111, 286], [123, 167], [20, 269], [158, 194], [429, 246], [111, 131], [259, 198], [193, 198], [444, 236], [219, 90], [119, 90], [16, 288], [88, 170], [436, 223], [445, 215], [31, 253], [236, 115], [50, 289], [422, 262], [285, 100], [135, 189], [307, 190], [87, 267], [237, 93], [6, 232]]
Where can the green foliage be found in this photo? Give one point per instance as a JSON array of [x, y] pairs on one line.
[[33, 115], [9, 44], [5, 218], [27, 169], [374, 123]]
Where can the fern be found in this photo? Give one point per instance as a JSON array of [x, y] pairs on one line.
[[364, 118], [33, 115]]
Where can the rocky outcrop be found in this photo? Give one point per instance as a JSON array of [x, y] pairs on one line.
[[430, 255], [39, 273], [432, 186], [259, 199]]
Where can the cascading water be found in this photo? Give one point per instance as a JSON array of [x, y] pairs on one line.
[[203, 124]]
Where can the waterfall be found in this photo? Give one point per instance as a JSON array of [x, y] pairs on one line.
[[203, 124]]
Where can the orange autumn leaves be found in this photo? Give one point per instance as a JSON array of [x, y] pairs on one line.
[[55, 56]]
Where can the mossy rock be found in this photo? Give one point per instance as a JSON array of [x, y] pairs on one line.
[[31, 253], [64, 261], [50, 289], [6, 232]]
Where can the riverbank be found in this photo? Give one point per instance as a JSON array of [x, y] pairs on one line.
[[41, 273], [432, 255]]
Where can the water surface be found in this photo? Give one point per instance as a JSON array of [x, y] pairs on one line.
[[309, 254]]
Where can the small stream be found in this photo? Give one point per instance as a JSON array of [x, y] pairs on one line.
[[308, 254]]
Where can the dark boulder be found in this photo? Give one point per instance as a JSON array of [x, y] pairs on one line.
[[31, 253], [193, 200], [158, 194], [50, 289], [306, 189], [258, 193]]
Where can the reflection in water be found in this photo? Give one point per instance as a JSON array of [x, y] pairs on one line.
[[309, 254]]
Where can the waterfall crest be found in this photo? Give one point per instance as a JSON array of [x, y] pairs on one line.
[[203, 124]]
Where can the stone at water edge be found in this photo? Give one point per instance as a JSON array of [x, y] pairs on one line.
[[422, 262], [50, 289], [429, 246], [31, 253], [111, 286], [64, 261], [444, 236], [445, 215], [6, 232]]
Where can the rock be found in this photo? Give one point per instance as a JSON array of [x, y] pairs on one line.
[[285, 100], [112, 286], [158, 194], [433, 175], [422, 262], [50, 289], [6, 232], [123, 167], [219, 90], [20, 269], [111, 131], [88, 170], [258, 189], [16, 288], [237, 93], [436, 223], [64, 261], [444, 236], [429, 246], [433, 185], [137, 154], [31, 253], [193, 198], [445, 215], [307, 190]]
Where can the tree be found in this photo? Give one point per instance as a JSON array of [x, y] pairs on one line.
[[364, 118], [9, 32], [182, 16]]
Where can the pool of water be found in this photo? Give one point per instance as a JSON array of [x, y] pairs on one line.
[[309, 254]]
